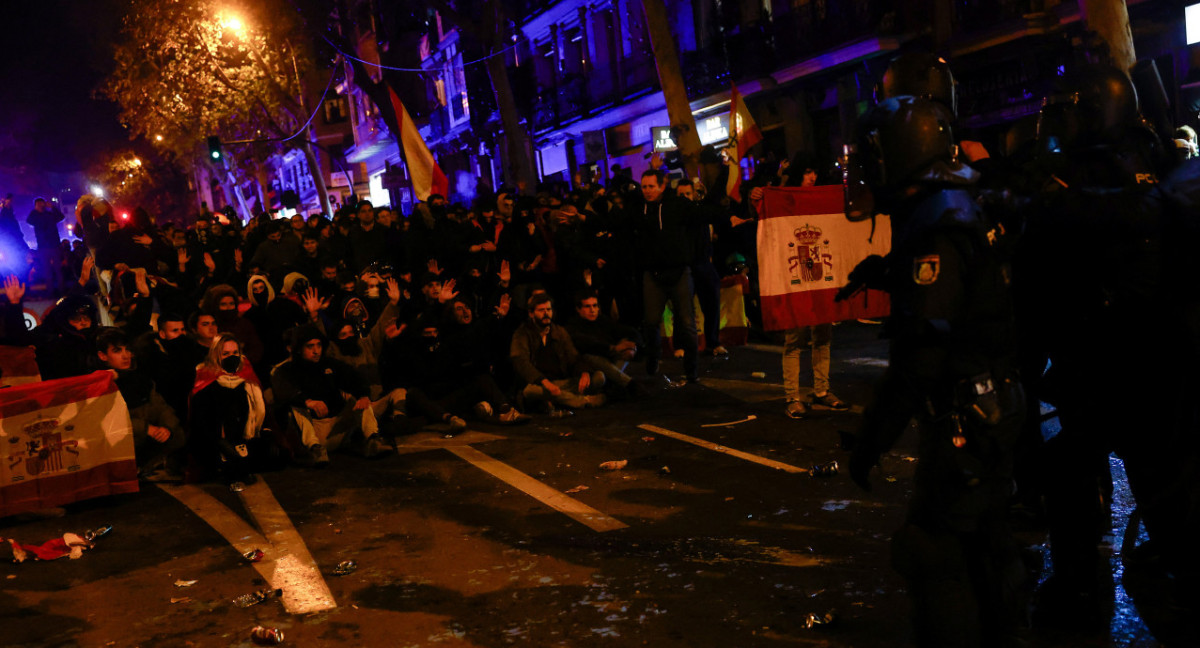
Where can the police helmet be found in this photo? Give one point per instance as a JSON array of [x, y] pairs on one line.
[[903, 136], [1093, 104], [919, 74]]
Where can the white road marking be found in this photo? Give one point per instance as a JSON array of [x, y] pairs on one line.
[[572, 508], [286, 562], [770, 463]]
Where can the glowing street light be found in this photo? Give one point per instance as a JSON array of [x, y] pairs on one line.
[[233, 24], [158, 138], [137, 161], [97, 191]]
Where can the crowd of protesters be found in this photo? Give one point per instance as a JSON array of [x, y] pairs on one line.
[[239, 346]]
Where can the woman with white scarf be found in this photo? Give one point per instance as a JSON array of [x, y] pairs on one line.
[[227, 413]]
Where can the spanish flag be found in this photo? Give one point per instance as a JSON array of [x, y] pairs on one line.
[[743, 134], [426, 177]]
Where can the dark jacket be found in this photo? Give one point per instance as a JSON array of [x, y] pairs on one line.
[[598, 337], [534, 361], [45, 228]]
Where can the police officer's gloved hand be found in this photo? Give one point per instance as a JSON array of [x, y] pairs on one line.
[[861, 464]]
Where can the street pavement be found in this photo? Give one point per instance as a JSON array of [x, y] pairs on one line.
[[713, 534]]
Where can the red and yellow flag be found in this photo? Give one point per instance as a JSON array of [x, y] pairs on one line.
[[427, 178], [743, 134]]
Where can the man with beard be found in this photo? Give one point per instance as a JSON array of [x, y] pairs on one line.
[[548, 363]]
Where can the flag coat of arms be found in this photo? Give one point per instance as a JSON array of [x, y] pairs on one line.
[[62, 441], [806, 250]]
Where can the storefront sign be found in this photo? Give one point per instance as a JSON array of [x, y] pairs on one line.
[[662, 138]]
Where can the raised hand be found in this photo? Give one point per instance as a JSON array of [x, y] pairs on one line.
[[393, 291], [505, 272], [313, 302], [85, 272], [13, 289], [392, 331], [210, 263], [432, 266], [184, 258], [504, 306], [448, 292]]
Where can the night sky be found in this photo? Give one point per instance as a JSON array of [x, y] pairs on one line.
[[53, 54]]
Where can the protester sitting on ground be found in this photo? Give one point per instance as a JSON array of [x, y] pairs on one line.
[[548, 364], [169, 358], [605, 344], [227, 415], [352, 343], [158, 436], [325, 400]]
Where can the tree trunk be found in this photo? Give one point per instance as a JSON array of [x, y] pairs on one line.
[[1110, 19], [519, 161], [670, 78], [318, 176]]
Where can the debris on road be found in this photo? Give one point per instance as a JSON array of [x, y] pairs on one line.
[[345, 567], [266, 636], [254, 598], [759, 374], [185, 599], [814, 621], [614, 465], [565, 434], [254, 555], [69, 544], [91, 536], [649, 438], [824, 470], [665, 470], [836, 505], [578, 489], [237, 487], [752, 417]]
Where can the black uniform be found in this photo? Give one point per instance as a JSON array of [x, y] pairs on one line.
[[950, 367]]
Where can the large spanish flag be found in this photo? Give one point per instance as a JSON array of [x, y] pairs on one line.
[[427, 177], [806, 250], [62, 441]]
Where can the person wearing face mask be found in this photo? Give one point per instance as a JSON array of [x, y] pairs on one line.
[[260, 294], [221, 301], [167, 356], [227, 414], [352, 342]]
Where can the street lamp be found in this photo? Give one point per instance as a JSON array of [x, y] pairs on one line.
[[97, 191]]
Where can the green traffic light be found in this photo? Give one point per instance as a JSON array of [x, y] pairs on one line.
[[216, 155]]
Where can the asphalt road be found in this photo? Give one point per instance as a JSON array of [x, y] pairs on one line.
[[487, 539]]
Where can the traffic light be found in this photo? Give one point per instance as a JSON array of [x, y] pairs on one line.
[[214, 147]]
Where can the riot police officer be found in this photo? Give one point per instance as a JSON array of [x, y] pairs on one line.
[[950, 367]]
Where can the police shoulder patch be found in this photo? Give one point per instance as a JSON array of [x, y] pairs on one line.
[[926, 268]]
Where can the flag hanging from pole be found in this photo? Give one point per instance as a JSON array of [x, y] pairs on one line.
[[806, 250], [743, 134], [427, 178]]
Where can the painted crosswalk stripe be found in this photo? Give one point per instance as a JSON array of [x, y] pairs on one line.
[[576, 510], [770, 463], [286, 563]]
